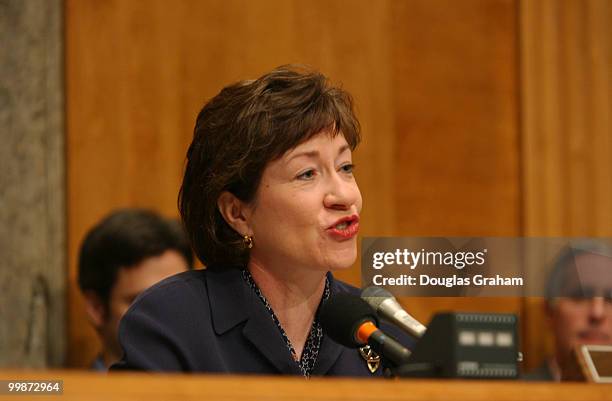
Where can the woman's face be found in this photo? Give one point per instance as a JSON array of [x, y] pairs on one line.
[[306, 211]]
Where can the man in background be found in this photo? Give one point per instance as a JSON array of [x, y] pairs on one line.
[[578, 305], [124, 254]]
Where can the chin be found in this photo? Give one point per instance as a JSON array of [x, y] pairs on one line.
[[342, 262]]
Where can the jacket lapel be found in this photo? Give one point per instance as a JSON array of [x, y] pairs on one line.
[[226, 297], [328, 355], [233, 302], [262, 332]]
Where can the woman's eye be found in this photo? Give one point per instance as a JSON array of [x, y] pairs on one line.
[[306, 175], [347, 168]]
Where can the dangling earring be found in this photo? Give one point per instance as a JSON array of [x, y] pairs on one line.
[[248, 241]]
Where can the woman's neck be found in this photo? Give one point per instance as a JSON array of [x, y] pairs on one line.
[[294, 297]]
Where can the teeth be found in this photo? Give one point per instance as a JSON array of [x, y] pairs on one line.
[[342, 226]]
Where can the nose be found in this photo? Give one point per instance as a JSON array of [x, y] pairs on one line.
[[342, 193], [597, 309]]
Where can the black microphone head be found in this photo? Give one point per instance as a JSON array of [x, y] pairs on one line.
[[375, 295], [342, 314]]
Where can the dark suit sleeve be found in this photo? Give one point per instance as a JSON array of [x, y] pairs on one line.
[[154, 333]]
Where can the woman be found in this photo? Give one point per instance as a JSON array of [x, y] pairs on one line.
[[271, 206]]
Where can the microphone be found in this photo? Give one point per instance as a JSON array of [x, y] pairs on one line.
[[350, 321], [385, 304]]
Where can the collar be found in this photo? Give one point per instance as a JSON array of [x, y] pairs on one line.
[[233, 302], [330, 350], [227, 296]]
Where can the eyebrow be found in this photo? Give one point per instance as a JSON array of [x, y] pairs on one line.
[[315, 153]]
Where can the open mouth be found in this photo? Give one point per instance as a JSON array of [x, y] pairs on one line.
[[345, 222], [345, 227], [594, 337]]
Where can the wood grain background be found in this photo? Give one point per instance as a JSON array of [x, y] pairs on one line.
[[480, 117]]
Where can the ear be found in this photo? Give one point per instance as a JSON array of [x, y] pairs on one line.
[[235, 212], [549, 311], [95, 309]]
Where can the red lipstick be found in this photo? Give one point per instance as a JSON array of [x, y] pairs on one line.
[[345, 228]]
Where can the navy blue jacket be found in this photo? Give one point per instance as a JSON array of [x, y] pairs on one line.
[[212, 321]]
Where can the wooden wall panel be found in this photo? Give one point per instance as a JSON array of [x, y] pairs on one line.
[[567, 132], [435, 84], [566, 53], [456, 97], [457, 145]]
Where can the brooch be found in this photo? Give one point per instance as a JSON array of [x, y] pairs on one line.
[[372, 358]]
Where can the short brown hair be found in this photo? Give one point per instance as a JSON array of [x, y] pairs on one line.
[[122, 240], [237, 133]]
